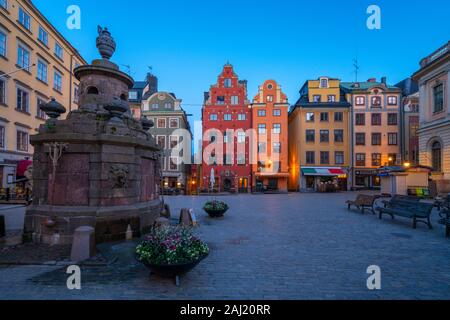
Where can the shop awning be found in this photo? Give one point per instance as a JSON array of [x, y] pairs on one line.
[[323, 172]]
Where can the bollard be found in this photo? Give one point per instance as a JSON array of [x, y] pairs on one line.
[[83, 246], [2, 226]]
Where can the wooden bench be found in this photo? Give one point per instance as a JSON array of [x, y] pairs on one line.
[[418, 211], [399, 198], [363, 202], [445, 220]]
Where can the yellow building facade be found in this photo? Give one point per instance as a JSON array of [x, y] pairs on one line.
[[36, 64], [319, 138]]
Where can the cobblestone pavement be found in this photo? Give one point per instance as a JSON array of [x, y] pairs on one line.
[[295, 246]]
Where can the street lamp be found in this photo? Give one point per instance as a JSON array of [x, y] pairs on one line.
[[407, 164]]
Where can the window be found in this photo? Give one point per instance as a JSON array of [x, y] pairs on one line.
[[213, 117], [316, 98], [4, 4], [161, 140], [22, 100], [276, 112], [276, 147], [2, 137], [227, 117], [2, 44], [173, 166], [324, 157], [438, 98], [331, 98], [155, 106], [261, 113], [376, 139], [234, 100], [39, 113], [376, 159], [261, 128], [376, 119], [43, 36], [161, 123], [174, 123], [262, 147], [339, 157], [360, 119], [2, 91], [392, 119], [360, 139], [59, 51], [310, 157], [360, 159], [57, 82], [173, 141], [269, 98], [436, 156], [22, 141], [392, 139], [324, 136], [310, 135], [23, 58], [227, 83], [324, 116], [42, 71], [242, 117], [92, 90], [376, 102], [241, 159], [310, 117], [360, 101], [24, 18], [226, 137], [392, 157], [338, 117], [221, 100], [241, 137], [276, 128], [324, 83], [339, 135], [392, 100], [168, 105], [132, 95]]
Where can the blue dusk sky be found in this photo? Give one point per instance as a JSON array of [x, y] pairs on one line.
[[187, 42]]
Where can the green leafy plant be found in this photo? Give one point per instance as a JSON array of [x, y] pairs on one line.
[[168, 245], [215, 205]]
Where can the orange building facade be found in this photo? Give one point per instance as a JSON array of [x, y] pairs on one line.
[[270, 110]]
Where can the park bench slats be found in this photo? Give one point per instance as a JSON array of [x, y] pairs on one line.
[[363, 202], [408, 208]]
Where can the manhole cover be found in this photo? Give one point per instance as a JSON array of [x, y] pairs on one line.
[[402, 235]]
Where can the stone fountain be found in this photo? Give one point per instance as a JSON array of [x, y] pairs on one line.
[[99, 167]]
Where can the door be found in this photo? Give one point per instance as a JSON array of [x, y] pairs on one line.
[[243, 185], [227, 185], [310, 183], [273, 184]]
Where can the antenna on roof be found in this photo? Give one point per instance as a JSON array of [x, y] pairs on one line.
[[356, 66]]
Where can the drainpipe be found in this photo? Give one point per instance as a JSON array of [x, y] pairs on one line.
[[70, 84]]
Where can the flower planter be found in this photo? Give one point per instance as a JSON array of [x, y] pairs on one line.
[[214, 213], [216, 209]]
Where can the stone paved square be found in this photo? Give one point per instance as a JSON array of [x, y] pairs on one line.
[[293, 246]]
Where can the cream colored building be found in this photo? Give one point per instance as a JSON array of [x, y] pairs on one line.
[[434, 133], [36, 64]]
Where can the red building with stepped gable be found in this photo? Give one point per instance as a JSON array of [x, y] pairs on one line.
[[226, 117]]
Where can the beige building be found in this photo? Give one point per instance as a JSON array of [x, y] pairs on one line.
[[36, 64], [434, 133], [376, 138]]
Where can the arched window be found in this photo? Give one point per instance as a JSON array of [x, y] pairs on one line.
[[436, 156], [92, 90]]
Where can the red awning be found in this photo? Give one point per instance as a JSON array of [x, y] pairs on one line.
[[337, 171], [22, 167]]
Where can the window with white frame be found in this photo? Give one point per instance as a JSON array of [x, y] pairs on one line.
[[227, 117], [24, 18], [174, 141], [269, 98], [261, 128], [261, 113], [242, 117], [213, 117], [241, 137], [132, 95], [22, 141], [227, 83], [2, 90], [276, 147], [22, 100], [43, 35], [234, 100], [392, 100], [168, 105], [174, 123], [241, 159], [57, 81], [59, 52], [42, 71], [39, 113], [323, 82], [276, 112], [3, 39], [155, 106], [161, 123], [360, 101], [161, 140], [23, 57], [277, 128], [173, 165]]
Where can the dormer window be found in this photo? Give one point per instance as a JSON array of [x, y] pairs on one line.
[[227, 83], [323, 82], [316, 98]]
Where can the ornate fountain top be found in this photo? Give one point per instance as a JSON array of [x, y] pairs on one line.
[[105, 43]]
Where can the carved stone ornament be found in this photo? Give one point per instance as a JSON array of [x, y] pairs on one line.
[[118, 175]]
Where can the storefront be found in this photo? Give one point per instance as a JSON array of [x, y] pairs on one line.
[[366, 179], [324, 179]]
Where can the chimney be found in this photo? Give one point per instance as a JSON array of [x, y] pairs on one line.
[[152, 83], [371, 80], [384, 80], [206, 96]]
